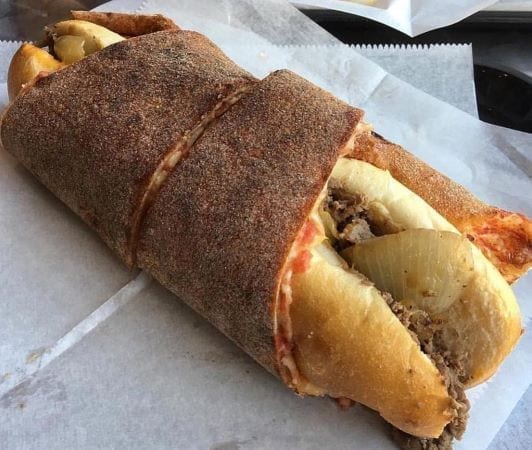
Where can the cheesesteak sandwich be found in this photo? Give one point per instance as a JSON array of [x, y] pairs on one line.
[[336, 259]]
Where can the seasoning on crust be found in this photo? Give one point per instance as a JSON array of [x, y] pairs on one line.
[[127, 24], [221, 229], [114, 119]]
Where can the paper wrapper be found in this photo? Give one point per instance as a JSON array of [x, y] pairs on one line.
[[91, 359], [444, 71], [412, 17]]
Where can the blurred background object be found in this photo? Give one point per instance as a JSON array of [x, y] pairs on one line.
[[24, 19]]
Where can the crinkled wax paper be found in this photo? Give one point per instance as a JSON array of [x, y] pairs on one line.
[[444, 71]]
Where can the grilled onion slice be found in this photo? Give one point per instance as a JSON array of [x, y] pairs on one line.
[[430, 269], [75, 39]]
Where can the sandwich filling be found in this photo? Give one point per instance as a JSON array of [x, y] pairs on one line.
[[350, 220], [427, 333]]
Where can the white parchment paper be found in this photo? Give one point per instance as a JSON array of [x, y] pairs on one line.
[[104, 360]]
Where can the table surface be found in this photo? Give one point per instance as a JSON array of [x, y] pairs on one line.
[[493, 45]]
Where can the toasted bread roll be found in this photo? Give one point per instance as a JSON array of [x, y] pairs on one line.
[[72, 40], [29, 62], [487, 300], [69, 41], [348, 341], [388, 198]]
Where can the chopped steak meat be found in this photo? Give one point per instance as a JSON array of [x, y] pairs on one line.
[[356, 230], [353, 224], [350, 213], [408, 442], [428, 334], [343, 206]]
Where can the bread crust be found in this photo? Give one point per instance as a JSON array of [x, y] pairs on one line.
[[127, 24], [100, 127], [220, 231], [27, 63], [504, 237]]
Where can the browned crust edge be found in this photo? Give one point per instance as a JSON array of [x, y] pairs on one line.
[[127, 24], [504, 237], [173, 157]]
